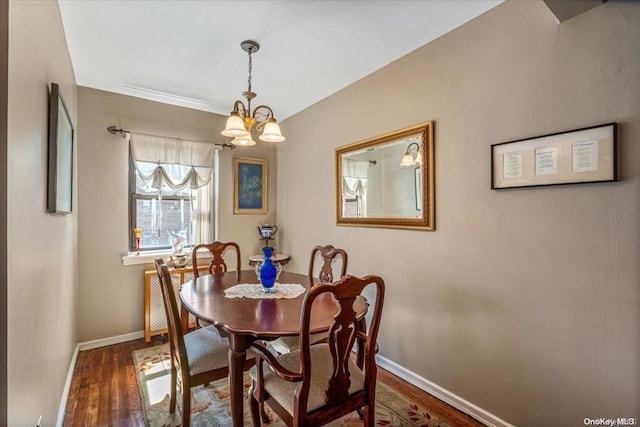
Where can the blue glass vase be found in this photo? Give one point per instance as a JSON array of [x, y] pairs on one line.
[[267, 271]]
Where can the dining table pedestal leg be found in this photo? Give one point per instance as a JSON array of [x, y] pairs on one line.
[[237, 358]]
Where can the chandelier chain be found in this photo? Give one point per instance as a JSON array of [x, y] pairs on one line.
[[250, 66]]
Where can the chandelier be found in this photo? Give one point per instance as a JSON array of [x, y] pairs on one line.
[[413, 155], [242, 119]]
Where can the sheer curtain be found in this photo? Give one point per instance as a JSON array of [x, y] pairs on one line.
[[354, 183], [205, 219], [180, 164]]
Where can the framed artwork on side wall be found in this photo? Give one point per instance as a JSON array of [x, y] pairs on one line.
[[249, 186], [60, 162]]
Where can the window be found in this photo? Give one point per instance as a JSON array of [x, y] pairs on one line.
[[350, 209], [162, 215], [170, 188]]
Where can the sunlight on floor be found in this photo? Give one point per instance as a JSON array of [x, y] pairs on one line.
[[158, 381], [158, 388]]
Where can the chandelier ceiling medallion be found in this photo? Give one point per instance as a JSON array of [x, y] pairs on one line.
[[242, 119]]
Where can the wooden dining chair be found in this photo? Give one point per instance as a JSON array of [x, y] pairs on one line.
[[197, 357], [319, 383], [216, 251], [217, 266], [329, 255]]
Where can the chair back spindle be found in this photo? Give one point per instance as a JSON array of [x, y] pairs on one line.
[[328, 254]]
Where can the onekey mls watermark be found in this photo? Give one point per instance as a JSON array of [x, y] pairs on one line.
[[610, 421]]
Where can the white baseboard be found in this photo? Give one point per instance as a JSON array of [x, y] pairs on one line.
[[412, 378], [87, 345], [442, 394], [67, 387]]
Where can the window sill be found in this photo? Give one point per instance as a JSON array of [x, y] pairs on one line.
[[146, 257], [149, 257]]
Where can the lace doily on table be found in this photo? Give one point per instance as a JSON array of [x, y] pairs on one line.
[[250, 290]]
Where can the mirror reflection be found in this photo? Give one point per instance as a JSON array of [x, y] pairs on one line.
[[382, 182]]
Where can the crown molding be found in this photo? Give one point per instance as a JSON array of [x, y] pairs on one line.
[[152, 95]]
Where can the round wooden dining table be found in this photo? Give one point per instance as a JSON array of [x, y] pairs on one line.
[[245, 320]]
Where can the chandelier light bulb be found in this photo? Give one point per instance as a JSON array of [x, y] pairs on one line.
[[407, 160], [271, 132], [243, 141], [235, 126]]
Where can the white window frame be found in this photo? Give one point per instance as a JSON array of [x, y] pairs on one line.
[[148, 256]]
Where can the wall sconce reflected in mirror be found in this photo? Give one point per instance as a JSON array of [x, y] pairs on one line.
[[412, 156]]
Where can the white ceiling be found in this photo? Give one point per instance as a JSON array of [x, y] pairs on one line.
[[188, 52]]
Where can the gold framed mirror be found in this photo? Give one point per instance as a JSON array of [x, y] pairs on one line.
[[387, 181]]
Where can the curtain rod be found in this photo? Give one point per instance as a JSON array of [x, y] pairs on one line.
[[113, 130]]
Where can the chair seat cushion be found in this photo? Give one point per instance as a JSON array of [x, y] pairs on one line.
[[321, 370], [287, 344], [206, 350]]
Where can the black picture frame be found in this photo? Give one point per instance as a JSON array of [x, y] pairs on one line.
[[60, 164], [579, 156]]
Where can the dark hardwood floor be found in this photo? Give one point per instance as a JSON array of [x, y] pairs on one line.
[[104, 391]]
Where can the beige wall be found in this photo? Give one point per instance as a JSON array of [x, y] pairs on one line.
[[526, 302], [111, 295], [41, 261], [4, 56]]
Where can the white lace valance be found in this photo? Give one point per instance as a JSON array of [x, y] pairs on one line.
[[352, 187], [173, 162], [355, 176]]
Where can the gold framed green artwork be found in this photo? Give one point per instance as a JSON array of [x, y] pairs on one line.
[[249, 186]]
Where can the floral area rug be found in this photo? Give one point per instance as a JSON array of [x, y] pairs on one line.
[[210, 403]]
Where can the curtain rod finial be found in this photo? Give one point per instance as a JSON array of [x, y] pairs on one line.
[[113, 130]]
